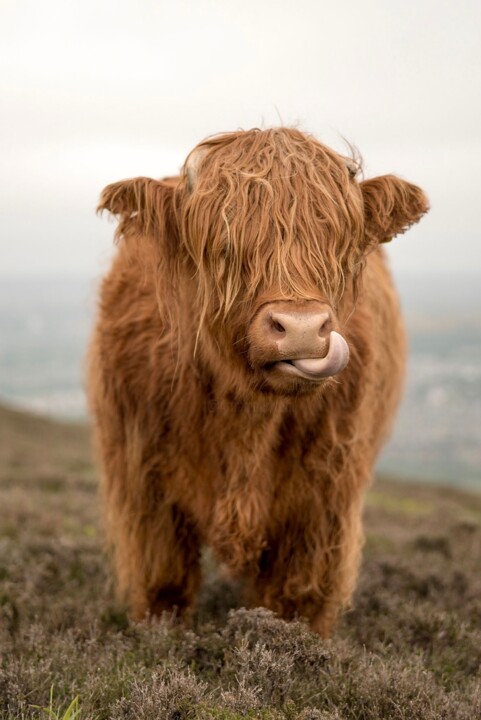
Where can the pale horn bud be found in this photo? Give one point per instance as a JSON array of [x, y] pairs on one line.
[[192, 165]]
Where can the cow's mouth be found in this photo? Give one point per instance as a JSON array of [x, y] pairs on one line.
[[316, 369]]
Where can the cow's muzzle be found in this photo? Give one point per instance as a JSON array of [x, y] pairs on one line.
[[298, 340], [317, 368]]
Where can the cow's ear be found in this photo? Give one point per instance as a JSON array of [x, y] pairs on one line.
[[391, 206], [141, 204]]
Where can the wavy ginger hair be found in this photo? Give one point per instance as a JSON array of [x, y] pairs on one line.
[[271, 209], [261, 210]]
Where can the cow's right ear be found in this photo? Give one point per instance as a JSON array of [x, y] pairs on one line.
[[141, 204]]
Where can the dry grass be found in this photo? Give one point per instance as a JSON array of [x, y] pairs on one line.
[[410, 649]]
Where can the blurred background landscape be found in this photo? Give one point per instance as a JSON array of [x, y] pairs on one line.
[[45, 324]]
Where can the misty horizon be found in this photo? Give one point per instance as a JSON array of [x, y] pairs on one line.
[[45, 325]]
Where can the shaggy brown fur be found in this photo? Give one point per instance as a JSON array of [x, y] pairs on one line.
[[198, 446]]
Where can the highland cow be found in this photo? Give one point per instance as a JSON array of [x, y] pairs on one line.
[[245, 369]]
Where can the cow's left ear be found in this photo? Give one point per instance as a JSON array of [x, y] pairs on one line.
[[391, 206]]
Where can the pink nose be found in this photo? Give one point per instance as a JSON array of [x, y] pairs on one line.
[[294, 331]]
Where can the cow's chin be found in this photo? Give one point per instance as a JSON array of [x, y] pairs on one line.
[[283, 378]]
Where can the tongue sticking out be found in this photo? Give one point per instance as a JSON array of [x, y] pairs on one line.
[[335, 360]]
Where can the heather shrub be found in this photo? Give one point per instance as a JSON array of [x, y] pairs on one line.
[[410, 648]]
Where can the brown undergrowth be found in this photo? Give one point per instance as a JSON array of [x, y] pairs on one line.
[[410, 648]]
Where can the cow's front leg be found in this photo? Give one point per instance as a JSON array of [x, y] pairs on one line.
[[310, 566], [155, 546], [167, 576], [157, 560]]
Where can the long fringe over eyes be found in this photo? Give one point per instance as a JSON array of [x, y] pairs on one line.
[[271, 209]]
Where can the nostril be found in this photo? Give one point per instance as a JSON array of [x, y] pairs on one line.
[[277, 326], [325, 325]]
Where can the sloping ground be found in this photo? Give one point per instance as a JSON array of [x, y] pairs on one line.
[[410, 649]]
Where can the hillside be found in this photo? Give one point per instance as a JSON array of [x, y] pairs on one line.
[[410, 648]]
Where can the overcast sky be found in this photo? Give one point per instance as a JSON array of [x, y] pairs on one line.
[[93, 91]]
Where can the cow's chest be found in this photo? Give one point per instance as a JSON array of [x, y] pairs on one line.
[[241, 471]]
